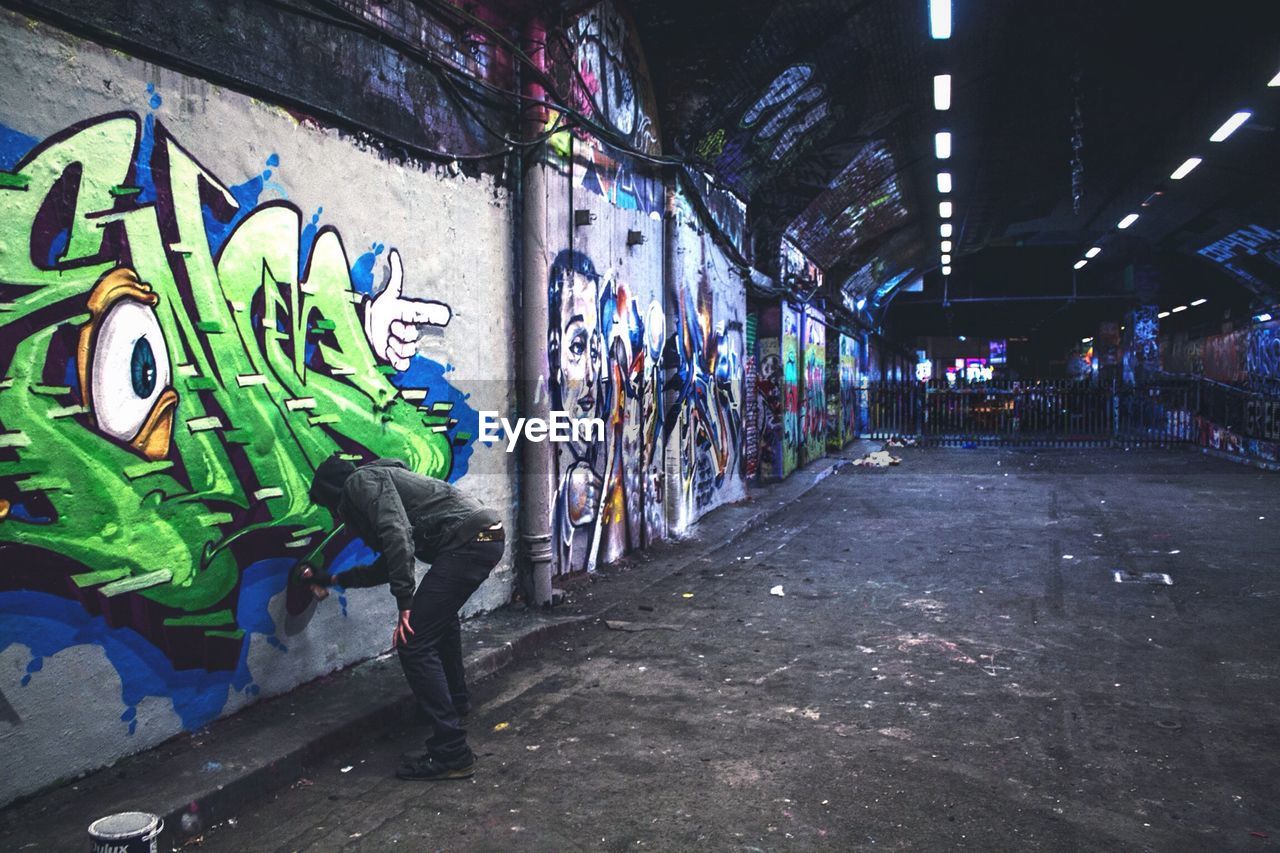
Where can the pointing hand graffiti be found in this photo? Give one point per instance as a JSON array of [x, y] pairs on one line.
[[392, 321]]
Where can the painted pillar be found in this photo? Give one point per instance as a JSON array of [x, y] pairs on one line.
[[1141, 346], [813, 395]]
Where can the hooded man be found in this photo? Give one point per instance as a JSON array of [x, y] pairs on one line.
[[401, 515]]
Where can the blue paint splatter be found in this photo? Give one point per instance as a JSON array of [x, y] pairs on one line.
[[14, 145], [425, 373], [57, 247], [307, 240], [146, 147], [362, 269], [48, 624], [248, 195]]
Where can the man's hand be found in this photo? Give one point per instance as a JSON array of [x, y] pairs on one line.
[[392, 320], [403, 631]]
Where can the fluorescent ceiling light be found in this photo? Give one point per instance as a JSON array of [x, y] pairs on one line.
[[946, 259], [1274, 82], [1086, 340], [944, 209], [1093, 253], [1127, 221], [960, 338], [1230, 126], [1162, 315], [1080, 264], [942, 91], [1179, 308], [946, 245], [942, 144], [940, 19], [1263, 317], [946, 270], [945, 230], [1199, 302], [1185, 169], [944, 182]]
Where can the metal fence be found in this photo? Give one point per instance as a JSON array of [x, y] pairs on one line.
[[1041, 414]]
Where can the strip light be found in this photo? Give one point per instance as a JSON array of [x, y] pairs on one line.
[[945, 229], [944, 182], [942, 144], [1230, 126], [1199, 302], [942, 91], [1275, 81], [940, 19], [1186, 168], [1127, 221], [1162, 315], [1094, 252], [946, 259], [1264, 317], [1080, 264], [947, 271], [944, 209], [1178, 309], [946, 245]]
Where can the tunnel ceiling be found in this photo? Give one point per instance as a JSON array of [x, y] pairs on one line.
[[819, 114]]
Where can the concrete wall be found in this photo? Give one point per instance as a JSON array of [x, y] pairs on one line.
[[194, 317]]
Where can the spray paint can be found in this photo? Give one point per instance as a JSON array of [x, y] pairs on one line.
[[126, 832]]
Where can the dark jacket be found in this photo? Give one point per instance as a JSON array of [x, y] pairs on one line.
[[401, 514]]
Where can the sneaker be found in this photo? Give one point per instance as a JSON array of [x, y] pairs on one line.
[[428, 769]]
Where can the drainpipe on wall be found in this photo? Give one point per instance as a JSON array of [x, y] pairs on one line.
[[535, 483]]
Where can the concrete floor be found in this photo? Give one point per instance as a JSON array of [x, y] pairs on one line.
[[939, 675]]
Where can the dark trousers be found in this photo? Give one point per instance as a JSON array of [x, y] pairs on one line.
[[432, 659]]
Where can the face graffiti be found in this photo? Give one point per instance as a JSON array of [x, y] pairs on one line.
[[173, 370], [602, 361]]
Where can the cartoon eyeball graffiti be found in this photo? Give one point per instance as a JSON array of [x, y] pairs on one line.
[[125, 376]]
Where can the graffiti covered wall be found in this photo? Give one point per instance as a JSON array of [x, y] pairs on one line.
[[705, 381], [607, 325], [842, 397], [814, 415], [777, 411], [198, 308]]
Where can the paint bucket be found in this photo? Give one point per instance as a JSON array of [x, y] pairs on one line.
[[126, 832]]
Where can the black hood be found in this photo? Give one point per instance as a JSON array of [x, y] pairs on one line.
[[326, 487]]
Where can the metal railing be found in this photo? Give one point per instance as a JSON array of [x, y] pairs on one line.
[[1051, 413]]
